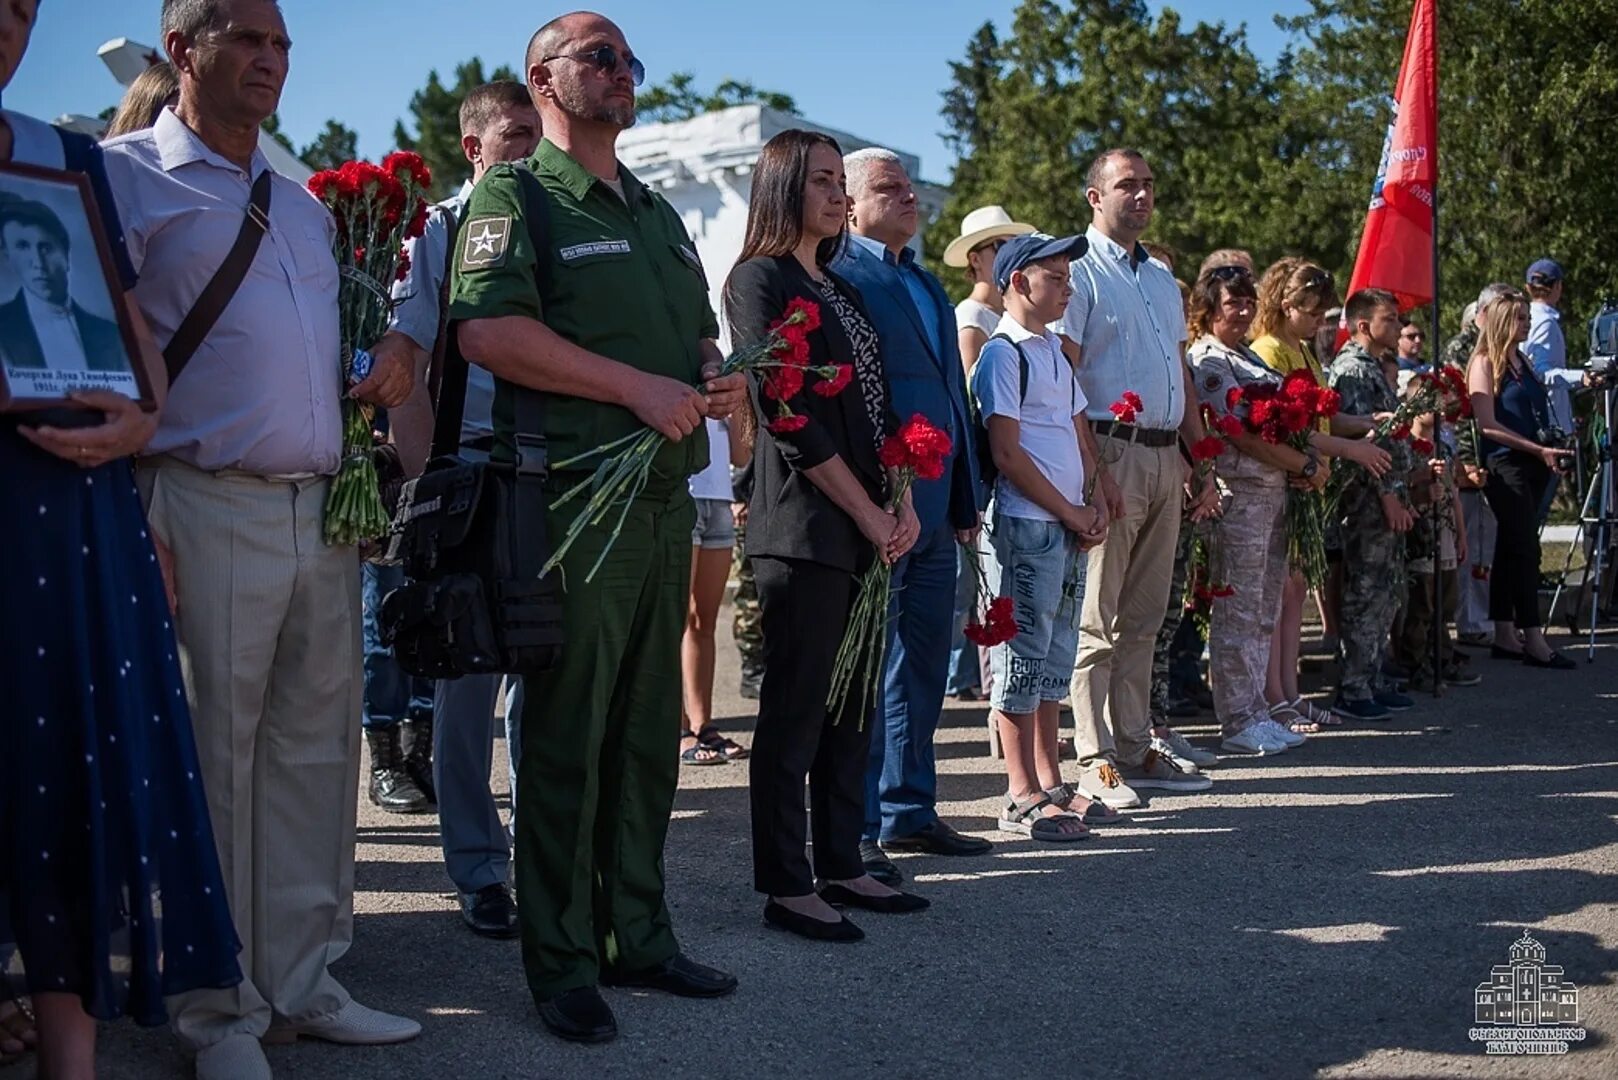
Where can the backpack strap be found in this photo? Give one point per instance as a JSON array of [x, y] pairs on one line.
[[1022, 365]]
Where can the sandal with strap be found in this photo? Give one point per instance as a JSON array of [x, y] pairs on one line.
[[17, 1029], [714, 739], [1323, 717], [1287, 715], [694, 754], [1024, 819], [1097, 813]]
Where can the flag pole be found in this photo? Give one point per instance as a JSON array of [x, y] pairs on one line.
[[1440, 627]]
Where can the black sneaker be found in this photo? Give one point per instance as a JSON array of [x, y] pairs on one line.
[[1368, 709]]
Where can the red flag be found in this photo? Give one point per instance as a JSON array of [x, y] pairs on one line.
[[1396, 248]]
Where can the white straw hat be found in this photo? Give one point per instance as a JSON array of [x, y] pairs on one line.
[[980, 226]]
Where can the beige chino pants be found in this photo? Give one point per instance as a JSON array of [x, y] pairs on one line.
[[1124, 600], [269, 631]]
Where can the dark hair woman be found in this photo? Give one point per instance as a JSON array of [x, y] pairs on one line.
[[817, 518], [101, 808]]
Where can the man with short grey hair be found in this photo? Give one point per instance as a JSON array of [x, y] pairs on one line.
[[235, 486]]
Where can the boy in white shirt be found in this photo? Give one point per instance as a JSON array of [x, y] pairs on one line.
[[1039, 529]]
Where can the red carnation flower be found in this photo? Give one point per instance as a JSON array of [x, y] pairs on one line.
[[1328, 404], [892, 453], [1402, 431], [783, 383], [404, 265], [1207, 448], [836, 384], [1295, 417], [404, 164], [1229, 426], [1221, 592], [1424, 447], [1233, 398], [1264, 413], [926, 447], [1123, 410], [804, 314], [787, 424]]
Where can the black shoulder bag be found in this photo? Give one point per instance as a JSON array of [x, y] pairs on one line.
[[471, 535]]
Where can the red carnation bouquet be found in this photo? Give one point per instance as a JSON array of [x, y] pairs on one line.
[[992, 620], [1442, 390], [780, 360], [377, 208], [917, 452], [1286, 415]]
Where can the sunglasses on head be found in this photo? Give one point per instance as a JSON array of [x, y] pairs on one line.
[[605, 59], [1230, 273]]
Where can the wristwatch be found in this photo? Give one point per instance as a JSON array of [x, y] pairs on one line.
[[1310, 467]]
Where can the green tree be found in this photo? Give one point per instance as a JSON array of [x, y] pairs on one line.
[[334, 145], [272, 128], [435, 117], [679, 98]]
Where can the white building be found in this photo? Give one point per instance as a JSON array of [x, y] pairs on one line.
[[704, 167]]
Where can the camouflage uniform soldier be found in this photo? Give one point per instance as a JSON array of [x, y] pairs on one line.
[[1373, 514], [747, 623]]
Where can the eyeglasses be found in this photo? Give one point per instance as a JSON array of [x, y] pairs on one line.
[[605, 59], [991, 246]]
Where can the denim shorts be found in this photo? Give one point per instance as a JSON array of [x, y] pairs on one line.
[[1038, 565], [715, 529]]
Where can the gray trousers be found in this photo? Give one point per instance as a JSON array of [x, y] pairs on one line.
[[1473, 615], [477, 847]]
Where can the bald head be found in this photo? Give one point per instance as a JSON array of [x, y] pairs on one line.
[[558, 35]]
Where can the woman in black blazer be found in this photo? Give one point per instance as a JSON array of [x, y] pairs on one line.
[[817, 518]]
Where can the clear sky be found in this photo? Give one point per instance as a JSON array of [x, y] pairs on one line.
[[873, 68]]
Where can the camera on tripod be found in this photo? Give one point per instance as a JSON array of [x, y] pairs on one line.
[[1603, 365], [1554, 438]]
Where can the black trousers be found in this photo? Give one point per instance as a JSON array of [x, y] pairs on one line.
[[805, 608], [1515, 490]]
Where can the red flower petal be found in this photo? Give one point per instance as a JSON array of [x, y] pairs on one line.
[[786, 425]]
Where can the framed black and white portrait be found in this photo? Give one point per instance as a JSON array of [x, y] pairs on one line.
[[63, 325]]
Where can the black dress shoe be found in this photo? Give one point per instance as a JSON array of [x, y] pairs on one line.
[[679, 975], [1556, 662], [579, 1016], [898, 904], [878, 865], [490, 912], [784, 918], [938, 839]]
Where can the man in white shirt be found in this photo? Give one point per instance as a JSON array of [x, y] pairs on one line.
[[498, 124], [1124, 331]]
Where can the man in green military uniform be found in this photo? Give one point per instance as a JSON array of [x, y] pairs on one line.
[[1375, 513], [610, 318]]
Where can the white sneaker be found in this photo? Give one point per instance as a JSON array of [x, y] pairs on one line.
[[352, 1025], [1252, 740], [1279, 733], [1178, 749], [1101, 783], [235, 1057]]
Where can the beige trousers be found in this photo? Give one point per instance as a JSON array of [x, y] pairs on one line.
[[1250, 555], [269, 631], [1124, 600]]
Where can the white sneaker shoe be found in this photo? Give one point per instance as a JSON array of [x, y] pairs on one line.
[[352, 1025], [1252, 740], [1101, 783], [1278, 733], [1178, 749], [235, 1057]]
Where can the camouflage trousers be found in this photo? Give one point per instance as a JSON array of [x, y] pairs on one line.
[[1162, 653], [1370, 549], [1249, 555], [748, 622], [1414, 649]]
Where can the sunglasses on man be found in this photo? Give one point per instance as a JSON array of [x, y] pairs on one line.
[[605, 59]]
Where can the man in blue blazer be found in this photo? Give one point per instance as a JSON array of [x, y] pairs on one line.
[[916, 324]]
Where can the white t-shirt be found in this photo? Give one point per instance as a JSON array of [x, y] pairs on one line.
[[1044, 414], [971, 314], [714, 481]]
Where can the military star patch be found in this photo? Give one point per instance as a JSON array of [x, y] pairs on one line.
[[484, 243]]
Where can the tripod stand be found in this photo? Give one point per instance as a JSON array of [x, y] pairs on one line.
[[1598, 521]]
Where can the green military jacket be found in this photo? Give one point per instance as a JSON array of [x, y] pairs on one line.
[[1357, 377], [623, 280]]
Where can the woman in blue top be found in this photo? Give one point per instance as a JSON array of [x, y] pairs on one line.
[[1509, 403], [110, 888]]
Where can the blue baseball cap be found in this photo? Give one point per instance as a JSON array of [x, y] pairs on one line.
[[1545, 272], [1019, 251]]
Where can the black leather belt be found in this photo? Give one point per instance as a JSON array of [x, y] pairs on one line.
[[1152, 437]]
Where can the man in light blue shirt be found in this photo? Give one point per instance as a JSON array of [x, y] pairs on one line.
[[498, 124], [1546, 349]]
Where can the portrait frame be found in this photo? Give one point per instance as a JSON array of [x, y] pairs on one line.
[[92, 312]]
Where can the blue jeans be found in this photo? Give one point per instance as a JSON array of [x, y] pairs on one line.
[[477, 847], [390, 694], [901, 782], [1038, 566], [963, 655]]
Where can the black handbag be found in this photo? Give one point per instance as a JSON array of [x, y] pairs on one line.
[[471, 537]]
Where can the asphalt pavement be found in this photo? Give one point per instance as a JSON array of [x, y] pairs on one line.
[[1327, 912]]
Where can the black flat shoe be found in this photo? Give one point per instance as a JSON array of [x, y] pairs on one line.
[[579, 1016], [1556, 662], [897, 904], [879, 866], [490, 912], [1497, 653], [680, 976], [938, 839], [784, 918]]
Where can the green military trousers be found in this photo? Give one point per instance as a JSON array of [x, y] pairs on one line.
[[600, 758]]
